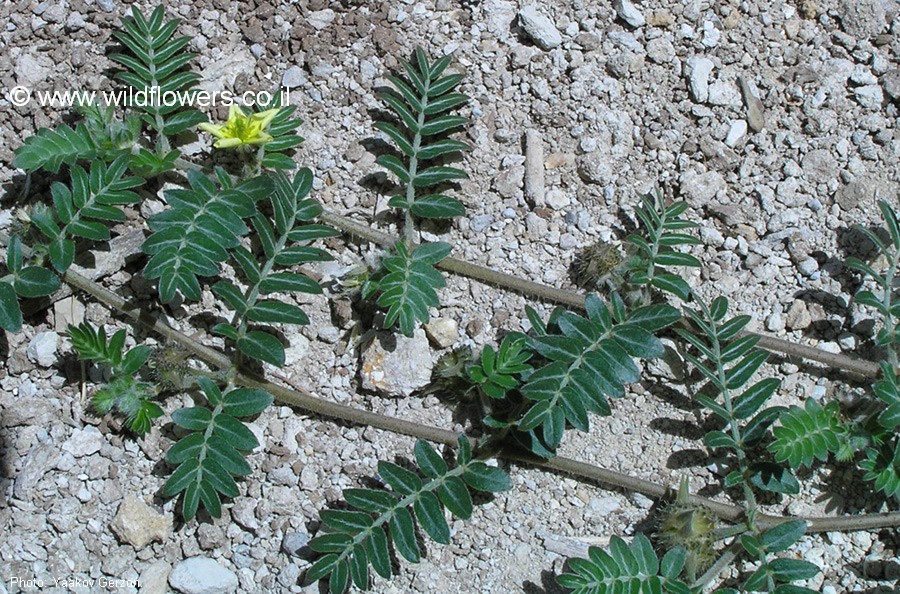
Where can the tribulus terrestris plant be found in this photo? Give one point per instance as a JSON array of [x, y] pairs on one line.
[[529, 390]]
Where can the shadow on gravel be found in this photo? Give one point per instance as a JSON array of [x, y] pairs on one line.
[[548, 585]]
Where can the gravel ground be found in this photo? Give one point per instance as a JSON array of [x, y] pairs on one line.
[[775, 120]]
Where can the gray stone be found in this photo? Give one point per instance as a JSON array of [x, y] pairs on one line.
[[106, 5], [851, 195], [442, 332], [138, 524], [395, 365], [320, 19], [819, 166], [154, 579], [596, 168], [861, 18], [42, 348], [724, 93], [775, 323], [797, 317], [200, 575], [293, 542], [509, 181], [558, 199], [808, 266], [244, 509], [55, 13], [222, 73], [629, 13], [869, 96], [39, 462], [84, 442], [698, 70], [701, 188], [28, 411], [67, 311], [660, 50], [756, 114], [539, 28], [890, 82], [480, 222], [293, 77]]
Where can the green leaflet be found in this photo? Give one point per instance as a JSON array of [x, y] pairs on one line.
[[807, 434], [589, 360], [406, 284], [50, 149], [357, 538], [422, 103], [626, 568], [125, 394], [209, 457], [664, 228], [192, 237], [155, 61], [281, 237]]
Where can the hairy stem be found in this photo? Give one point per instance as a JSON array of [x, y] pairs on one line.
[[570, 299], [590, 472]]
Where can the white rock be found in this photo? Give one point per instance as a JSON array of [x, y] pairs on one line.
[[320, 18], [67, 311], [138, 524], [701, 188], [629, 13], [698, 71], [200, 575], [293, 77], [32, 70], [737, 131], [42, 348], [442, 332], [154, 579], [84, 442], [724, 93], [395, 365], [557, 199], [539, 28], [869, 96], [222, 73]]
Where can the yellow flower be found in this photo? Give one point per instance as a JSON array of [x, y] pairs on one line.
[[241, 129]]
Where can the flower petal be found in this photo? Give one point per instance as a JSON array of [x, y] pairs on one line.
[[228, 143]]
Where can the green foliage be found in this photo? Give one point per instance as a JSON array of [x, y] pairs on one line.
[[156, 61], [654, 253], [358, 538], [882, 461], [407, 283], [775, 575], [283, 130], [113, 137], [50, 149], [808, 434], [125, 393], [283, 240], [727, 363], [210, 455], [422, 103], [496, 372], [627, 568], [883, 301], [589, 360], [192, 237], [86, 208], [83, 210]]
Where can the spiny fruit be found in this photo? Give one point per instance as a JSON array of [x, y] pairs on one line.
[[689, 526]]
